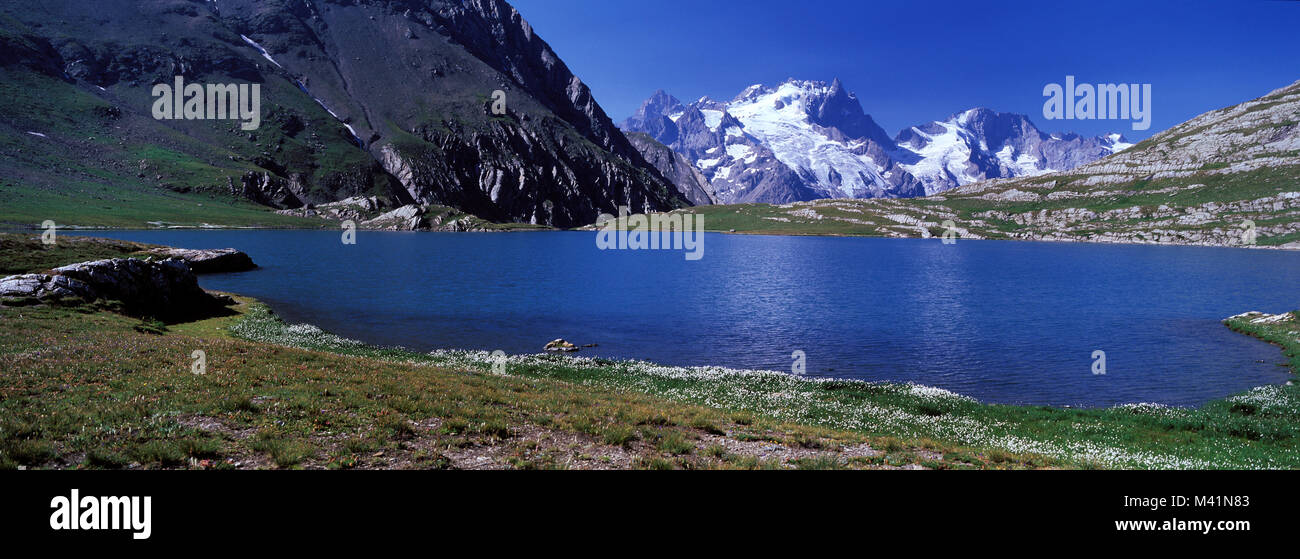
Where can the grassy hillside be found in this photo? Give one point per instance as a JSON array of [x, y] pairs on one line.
[[94, 158]]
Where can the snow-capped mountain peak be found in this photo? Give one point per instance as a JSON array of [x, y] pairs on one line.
[[804, 139], [981, 143]]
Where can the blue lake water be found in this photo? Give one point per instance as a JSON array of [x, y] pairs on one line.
[[1004, 322]]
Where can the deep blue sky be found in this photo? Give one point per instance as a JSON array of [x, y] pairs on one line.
[[915, 61]]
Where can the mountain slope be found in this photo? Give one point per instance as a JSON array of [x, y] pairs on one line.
[[830, 148], [676, 168], [384, 99]]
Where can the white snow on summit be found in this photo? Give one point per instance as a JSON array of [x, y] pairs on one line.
[[779, 118]]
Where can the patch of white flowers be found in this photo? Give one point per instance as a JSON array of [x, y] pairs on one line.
[[933, 392], [262, 326], [1150, 408], [1269, 399]]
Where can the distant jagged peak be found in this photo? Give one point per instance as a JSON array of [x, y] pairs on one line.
[[750, 92], [985, 114], [811, 96], [791, 87], [996, 128], [659, 104], [1117, 139], [828, 105], [710, 104]]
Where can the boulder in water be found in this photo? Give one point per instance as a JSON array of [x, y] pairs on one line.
[[560, 345]]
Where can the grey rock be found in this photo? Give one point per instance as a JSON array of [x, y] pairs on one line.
[[560, 346], [164, 289], [43, 287], [213, 261], [406, 218]]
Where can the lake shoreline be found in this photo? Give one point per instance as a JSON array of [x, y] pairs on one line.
[[1241, 323], [1052, 241], [302, 269], [915, 407], [88, 230]]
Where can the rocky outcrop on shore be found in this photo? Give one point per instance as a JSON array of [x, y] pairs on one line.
[[560, 346], [214, 261], [166, 289], [372, 215], [44, 287], [356, 208], [414, 217]]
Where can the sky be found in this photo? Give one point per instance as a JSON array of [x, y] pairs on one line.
[[916, 61]]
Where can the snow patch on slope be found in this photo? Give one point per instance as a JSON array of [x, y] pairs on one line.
[[259, 48]]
